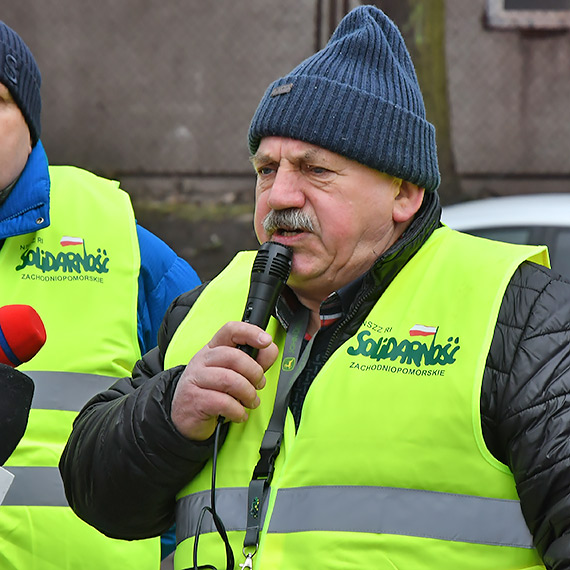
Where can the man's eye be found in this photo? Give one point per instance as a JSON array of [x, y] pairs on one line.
[[265, 170], [318, 170]]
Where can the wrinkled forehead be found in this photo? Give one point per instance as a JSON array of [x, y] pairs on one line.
[[274, 148]]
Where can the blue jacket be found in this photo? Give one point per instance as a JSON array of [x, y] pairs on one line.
[[163, 275]]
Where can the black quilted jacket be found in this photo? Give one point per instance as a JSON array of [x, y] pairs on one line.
[[125, 461]]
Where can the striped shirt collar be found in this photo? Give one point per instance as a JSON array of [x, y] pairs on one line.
[[332, 309]]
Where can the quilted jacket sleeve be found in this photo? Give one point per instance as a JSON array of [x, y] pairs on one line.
[[133, 436], [526, 404]]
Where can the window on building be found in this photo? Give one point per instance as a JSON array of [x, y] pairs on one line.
[[529, 14]]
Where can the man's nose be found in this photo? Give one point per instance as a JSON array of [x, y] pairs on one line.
[[286, 190]]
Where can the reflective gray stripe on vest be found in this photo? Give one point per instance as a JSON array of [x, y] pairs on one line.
[[230, 506], [68, 391], [385, 510], [35, 486]]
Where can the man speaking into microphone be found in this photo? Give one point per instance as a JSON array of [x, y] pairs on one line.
[[408, 404]]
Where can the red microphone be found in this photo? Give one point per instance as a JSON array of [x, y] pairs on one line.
[[22, 334]]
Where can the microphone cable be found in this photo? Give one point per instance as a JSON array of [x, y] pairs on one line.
[[230, 560]]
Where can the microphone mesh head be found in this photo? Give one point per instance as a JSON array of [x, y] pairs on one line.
[[273, 259]]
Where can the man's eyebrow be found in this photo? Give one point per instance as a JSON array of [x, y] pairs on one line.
[[259, 157], [311, 154]]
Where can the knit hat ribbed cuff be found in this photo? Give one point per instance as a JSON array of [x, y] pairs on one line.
[[322, 112]]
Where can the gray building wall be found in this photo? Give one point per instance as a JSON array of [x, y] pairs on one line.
[[159, 94], [158, 88], [509, 104]]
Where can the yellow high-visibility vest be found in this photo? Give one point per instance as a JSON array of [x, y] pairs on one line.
[[388, 468], [81, 275]]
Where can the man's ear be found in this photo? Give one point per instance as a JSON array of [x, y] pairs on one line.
[[407, 202]]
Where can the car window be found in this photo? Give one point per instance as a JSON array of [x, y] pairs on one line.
[[511, 235], [560, 255], [557, 240]]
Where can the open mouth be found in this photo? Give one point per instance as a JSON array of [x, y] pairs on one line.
[[287, 232]]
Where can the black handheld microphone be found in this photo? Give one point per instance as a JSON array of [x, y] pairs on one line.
[[16, 392], [22, 334], [270, 271]]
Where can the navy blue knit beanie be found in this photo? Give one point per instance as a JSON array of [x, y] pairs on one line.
[[359, 97], [20, 74]]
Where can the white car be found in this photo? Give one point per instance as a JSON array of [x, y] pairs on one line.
[[536, 219]]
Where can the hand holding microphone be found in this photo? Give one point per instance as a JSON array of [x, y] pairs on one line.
[[219, 382]]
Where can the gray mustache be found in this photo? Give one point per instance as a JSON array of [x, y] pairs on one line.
[[291, 219]]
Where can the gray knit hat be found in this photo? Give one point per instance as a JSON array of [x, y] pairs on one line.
[[359, 97], [20, 74]]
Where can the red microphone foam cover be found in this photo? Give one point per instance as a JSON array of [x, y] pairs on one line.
[[23, 330]]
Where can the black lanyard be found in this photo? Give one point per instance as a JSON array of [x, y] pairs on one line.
[[292, 364]]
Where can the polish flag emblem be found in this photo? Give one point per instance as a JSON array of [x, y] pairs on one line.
[[422, 330], [67, 240]]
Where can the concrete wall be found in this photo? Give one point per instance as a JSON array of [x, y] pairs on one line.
[[159, 89], [509, 97], [159, 94]]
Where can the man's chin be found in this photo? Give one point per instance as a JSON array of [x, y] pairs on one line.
[[301, 276]]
